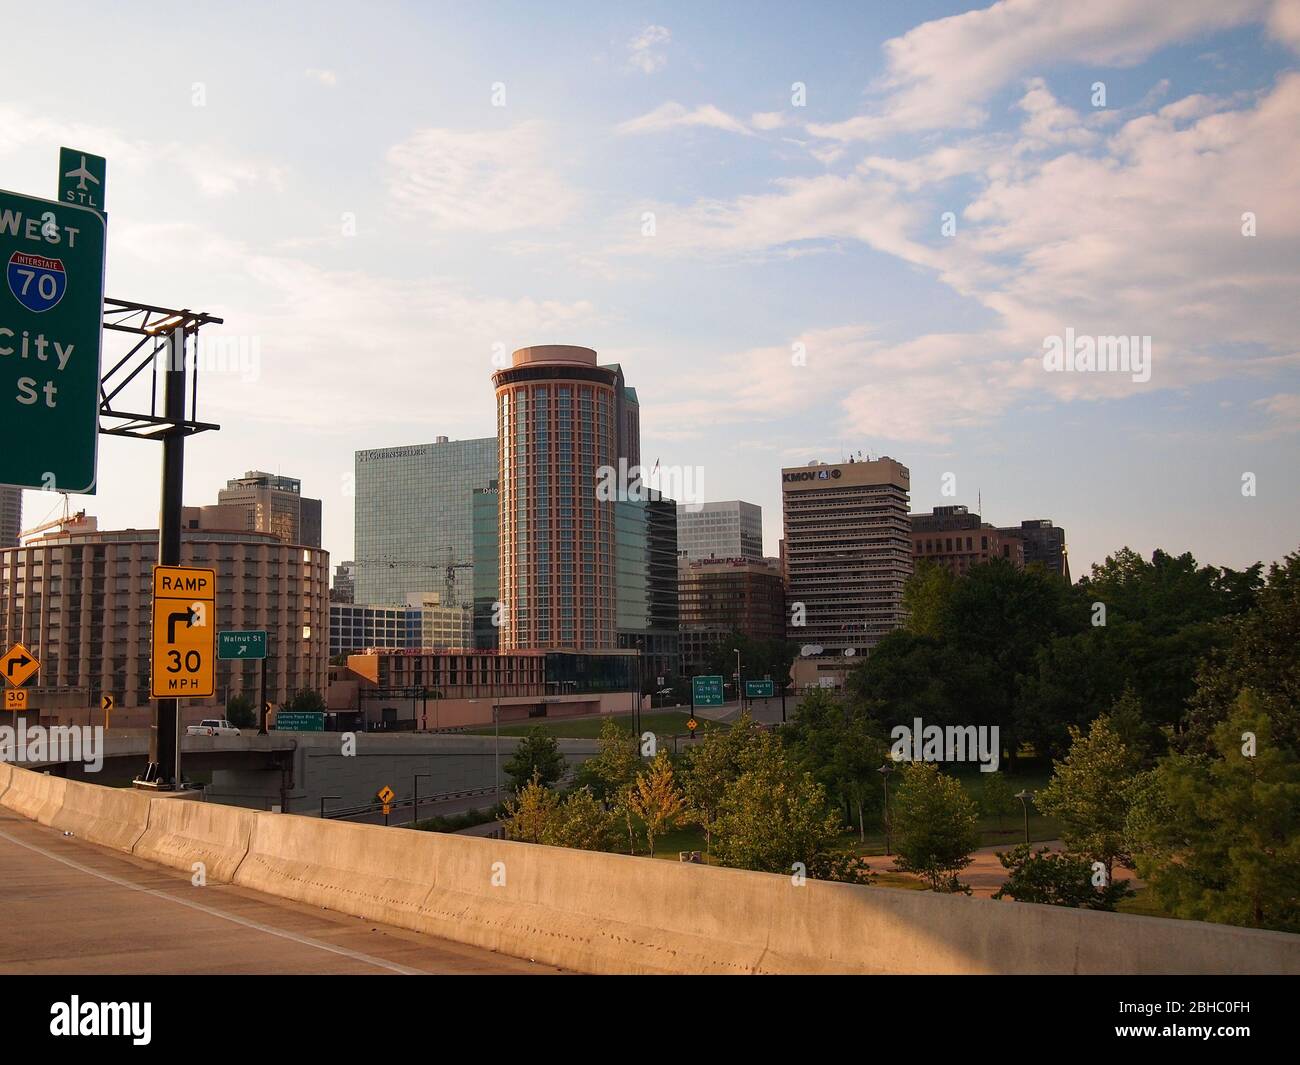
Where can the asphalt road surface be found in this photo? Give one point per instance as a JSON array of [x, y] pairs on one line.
[[70, 907]]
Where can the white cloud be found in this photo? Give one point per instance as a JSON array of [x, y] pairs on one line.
[[644, 52], [326, 77], [823, 208], [766, 120], [1284, 23], [1137, 233], [214, 171], [1283, 411], [672, 115], [371, 349], [941, 73], [479, 181]]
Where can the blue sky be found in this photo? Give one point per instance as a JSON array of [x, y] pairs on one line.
[[337, 183]]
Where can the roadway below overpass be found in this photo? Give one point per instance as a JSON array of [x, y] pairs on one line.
[[68, 906]]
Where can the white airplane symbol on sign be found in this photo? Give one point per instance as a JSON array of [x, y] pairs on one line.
[[82, 175]]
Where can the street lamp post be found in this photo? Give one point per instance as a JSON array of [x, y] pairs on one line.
[[884, 772], [496, 749], [322, 803], [1024, 796], [740, 683]]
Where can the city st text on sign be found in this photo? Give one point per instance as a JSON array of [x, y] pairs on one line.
[[51, 325], [184, 638]]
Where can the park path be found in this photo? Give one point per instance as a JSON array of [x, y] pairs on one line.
[[985, 874]]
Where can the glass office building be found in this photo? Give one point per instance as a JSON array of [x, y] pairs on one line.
[[645, 552], [730, 529], [415, 518], [487, 568]]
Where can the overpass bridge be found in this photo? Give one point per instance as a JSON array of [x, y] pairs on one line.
[[295, 771]]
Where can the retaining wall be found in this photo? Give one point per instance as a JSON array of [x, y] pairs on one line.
[[611, 913]]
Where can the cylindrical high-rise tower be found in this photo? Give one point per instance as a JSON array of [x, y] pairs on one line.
[[558, 422]]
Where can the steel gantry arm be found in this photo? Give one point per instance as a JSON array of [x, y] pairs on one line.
[[154, 326]]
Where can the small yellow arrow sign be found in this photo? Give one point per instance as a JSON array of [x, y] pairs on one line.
[[385, 794], [106, 702], [18, 665]]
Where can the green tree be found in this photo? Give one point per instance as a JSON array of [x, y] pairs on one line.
[[1089, 794], [307, 700], [711, 766], [582, 822], [240, 711], [838, 743], [935, 825], [656, 799], [996, 797], [615, 766], [1260, 651], [774, 815], [1053, 878], [531, 813], [926, 596], [536, 755], [1217, 836]]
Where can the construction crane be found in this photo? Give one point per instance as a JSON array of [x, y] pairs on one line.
[[449, 595], [62, 521]]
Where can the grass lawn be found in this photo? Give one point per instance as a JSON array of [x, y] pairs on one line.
[[1144, 904], [663, 723]]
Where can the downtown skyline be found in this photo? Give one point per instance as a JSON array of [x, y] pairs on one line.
[[379, 233]]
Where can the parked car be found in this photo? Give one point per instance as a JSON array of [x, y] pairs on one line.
[[212, 726]]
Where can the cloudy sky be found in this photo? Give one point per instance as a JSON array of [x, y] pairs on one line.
[[804, 229]]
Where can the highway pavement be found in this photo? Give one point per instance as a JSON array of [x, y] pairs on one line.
[[70, 907]]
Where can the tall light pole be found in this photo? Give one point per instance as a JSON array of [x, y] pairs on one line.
[[1024, 796], [884, 772], [496, 749], [740, 684]]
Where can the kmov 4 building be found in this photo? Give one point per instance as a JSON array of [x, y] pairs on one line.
[[848, 551]]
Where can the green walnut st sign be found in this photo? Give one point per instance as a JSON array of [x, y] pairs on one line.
[[250, 643], [51, 325]]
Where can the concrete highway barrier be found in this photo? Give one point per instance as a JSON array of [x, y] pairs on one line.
[[6, 774], [181, 832], [111, 817], [610, 913], [37, 796]]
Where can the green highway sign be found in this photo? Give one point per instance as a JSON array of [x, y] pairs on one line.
[[51, 324], [759, 689], [299, 721], [81, 178], [706, 691], [250, 643]]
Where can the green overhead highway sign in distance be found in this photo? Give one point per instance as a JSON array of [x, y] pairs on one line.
[[759, 689], [250, 643], [51, 322], [299, 721], [706, 691]]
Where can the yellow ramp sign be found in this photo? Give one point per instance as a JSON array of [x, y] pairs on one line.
[[184, 636]]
